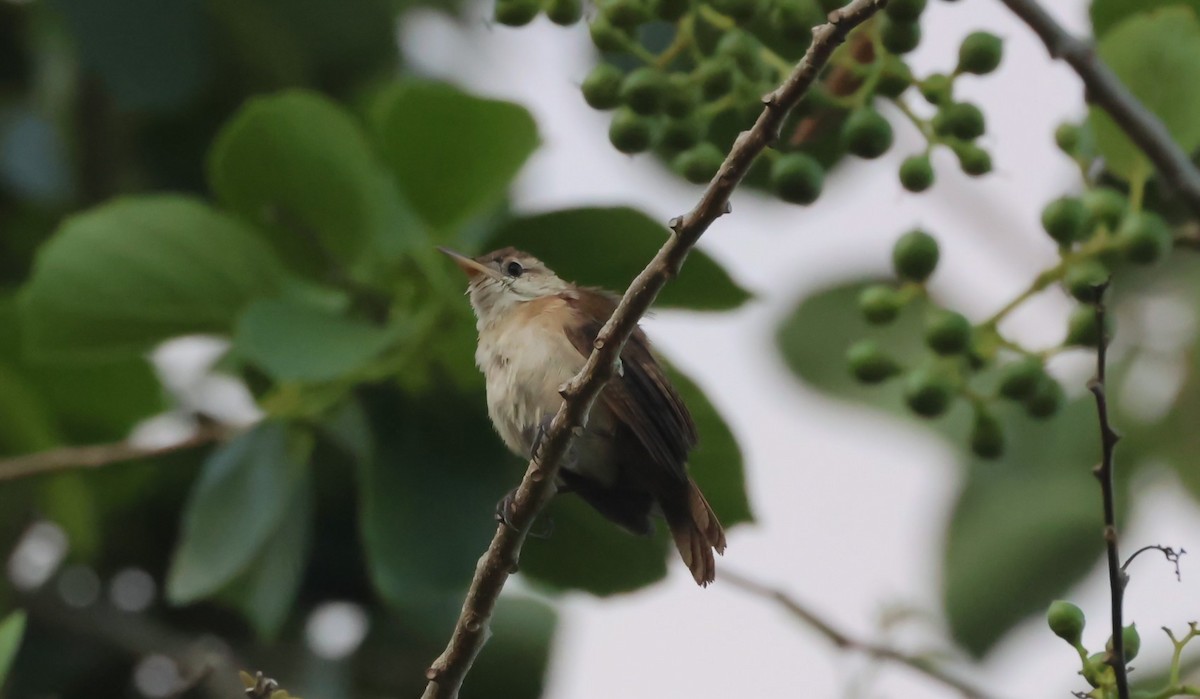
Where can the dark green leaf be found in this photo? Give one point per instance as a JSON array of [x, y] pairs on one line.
[[716, 463], [265, 592], [26, 422], [454, 154], [1026, 527], [236, 505], [1166, 45], [587, 552], [97, 401], [300, 165], [428, 499], [149, 54], [815, 337], [122, 277], [1107, 14], [12, 629], [292, 341], [609, 247], [514, 664]]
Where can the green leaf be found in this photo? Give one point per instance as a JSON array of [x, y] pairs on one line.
[[609, 247], [587, 552], [514, 664], [438, 467], [1166, 45], [12, 629], [814, 339], [301, 166], [716, 462], [292, 341], [1174, 439], [266, 591], [120, 278], [149, 55], [26, 422], [237, 504], [454, 154], [1026, 527], [1107, 14]]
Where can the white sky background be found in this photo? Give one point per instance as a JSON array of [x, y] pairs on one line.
[[851, 505]]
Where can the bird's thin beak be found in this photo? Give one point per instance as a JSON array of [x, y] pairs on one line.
[[466, 264]]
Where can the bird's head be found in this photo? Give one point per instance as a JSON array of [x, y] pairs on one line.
[[500, 280]]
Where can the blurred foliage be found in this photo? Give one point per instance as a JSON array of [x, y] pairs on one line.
[[269, 172], [262, 172]]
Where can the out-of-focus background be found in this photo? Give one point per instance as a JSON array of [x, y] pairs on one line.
[[216, 232]]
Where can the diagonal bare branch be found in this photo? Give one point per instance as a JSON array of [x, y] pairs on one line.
[[500, 560]]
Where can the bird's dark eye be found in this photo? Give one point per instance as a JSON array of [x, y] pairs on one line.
[[514, 269]]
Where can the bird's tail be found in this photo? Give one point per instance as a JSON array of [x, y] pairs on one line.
[[696, 532]]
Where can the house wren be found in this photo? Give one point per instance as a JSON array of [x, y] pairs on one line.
[[535, 333]]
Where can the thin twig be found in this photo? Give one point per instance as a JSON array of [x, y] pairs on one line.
[[845, 642], [1105, 90], [447, 672], [97, 455], [1169, 553], [1104, 473]]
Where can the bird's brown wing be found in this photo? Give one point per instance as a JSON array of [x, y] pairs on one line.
[[641, 397]]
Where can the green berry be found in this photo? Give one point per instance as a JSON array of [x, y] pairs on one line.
[[602, 87], [960, 119], [866, 133], [1084, 278], [916, 173], [681, 97], [1066, 621], [1084, 331], [743, 49], [895, 78], [700, 164], [1067, 137], [1065, 220], [1046, 399], [630, 132], [794, 19], [1105, 207], [880, 304], [869, 363], [626, 14], [716, 77], [973, 160], [915, 256], [564, 12], [516, 13], [980, 53], [645, 90], [1098, 672], [987, 436], [681, 134], [937, 89], [904, 10], [1144, 237], [947, 332], [899, 37], [1130, 639], [671, 10], [607, 37], [797, 178], [742, 11], [1019, 379], [928, 392]]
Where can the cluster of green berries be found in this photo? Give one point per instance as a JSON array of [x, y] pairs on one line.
[[958, 350], [682, 77], [1067, 621], [956, 125]]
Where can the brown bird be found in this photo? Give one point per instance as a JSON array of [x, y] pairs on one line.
[[535, 333]]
